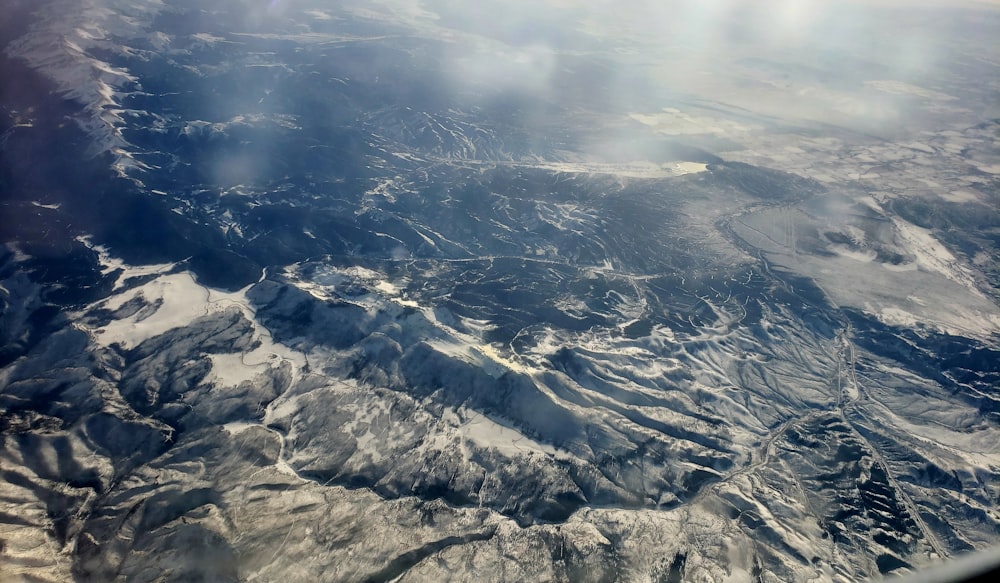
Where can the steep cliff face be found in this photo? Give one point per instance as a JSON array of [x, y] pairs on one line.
[[405, 293]]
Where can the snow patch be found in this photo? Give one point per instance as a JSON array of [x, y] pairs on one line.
[[178, 300], [637, 169], [487, 433], [932, 255], [673, 122]]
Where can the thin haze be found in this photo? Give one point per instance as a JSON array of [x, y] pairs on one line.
[[815, 61]]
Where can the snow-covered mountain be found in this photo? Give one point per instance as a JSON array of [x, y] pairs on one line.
[[416, 291]]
